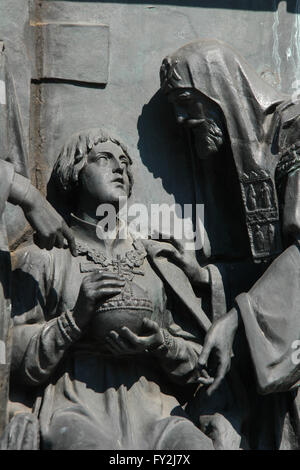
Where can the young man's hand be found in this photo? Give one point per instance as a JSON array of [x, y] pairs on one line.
[[127, 342]]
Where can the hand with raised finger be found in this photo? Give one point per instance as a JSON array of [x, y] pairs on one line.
[[95, 288], [218, 347], [51, 229], [49, 225]]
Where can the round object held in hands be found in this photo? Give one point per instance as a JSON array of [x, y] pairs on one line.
[[129, 309]]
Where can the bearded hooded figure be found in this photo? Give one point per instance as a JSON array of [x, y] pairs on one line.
[[242, 140]]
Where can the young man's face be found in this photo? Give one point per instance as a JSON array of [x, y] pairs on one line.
[[105, 176]]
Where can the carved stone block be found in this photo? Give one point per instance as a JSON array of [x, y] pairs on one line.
[[73, 52]]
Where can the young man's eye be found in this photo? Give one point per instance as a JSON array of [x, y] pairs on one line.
[[101, 156], [124, 160]]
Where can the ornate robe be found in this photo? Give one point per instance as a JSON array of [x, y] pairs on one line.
[[87, 398]]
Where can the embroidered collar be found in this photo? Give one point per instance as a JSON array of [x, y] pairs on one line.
[[127, 265]]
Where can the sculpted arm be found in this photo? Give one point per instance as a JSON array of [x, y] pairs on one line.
[[41, 343], [179, 356], [51, 230], [176, 355]]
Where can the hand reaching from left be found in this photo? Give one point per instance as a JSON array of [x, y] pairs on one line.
[[51, 230]]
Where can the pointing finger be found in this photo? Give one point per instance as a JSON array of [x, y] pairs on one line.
[[68, 234], [205, 353]]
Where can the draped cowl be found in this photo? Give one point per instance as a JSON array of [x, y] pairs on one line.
[[258, 121]]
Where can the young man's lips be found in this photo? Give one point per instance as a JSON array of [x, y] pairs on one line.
[[118, 180]]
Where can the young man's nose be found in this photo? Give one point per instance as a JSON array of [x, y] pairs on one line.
[[118, 168]]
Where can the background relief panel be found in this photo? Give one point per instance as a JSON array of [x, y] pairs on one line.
[[72, 52]]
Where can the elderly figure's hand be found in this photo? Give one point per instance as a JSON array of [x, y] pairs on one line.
[[127, 342], [218, 346]]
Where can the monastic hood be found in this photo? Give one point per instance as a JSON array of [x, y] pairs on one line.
[[249, 106]]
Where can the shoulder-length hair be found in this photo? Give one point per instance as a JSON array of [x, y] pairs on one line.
[[74, 154]]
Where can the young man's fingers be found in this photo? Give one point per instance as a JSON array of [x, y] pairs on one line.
[[114, 340], [106, 293], [111, 346], [120, 342], [99, 286], [150, 325], [98, 295], [133, 339]]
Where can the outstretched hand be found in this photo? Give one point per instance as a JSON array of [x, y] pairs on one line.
[[218, 346], [127, 342]]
